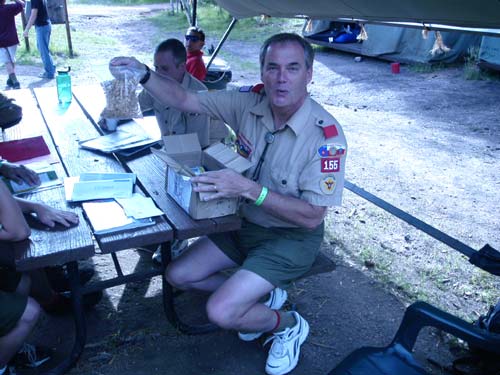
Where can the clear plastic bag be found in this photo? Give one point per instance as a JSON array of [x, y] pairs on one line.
[[121, 96]]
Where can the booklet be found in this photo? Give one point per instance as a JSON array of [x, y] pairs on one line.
[[107, 216], [47, 174], [118, 140], [90, 186], [23, 149]]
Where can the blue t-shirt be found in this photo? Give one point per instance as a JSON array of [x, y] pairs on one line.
[[42, 17]]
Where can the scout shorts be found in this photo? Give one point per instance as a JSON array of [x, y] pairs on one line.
[[9, 279], [279, 255], [12, 305]]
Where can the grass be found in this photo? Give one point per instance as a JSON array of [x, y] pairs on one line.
[[214, 21], [422, 269]]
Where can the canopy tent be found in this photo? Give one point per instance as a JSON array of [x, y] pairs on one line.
[[489, 53], [393, 43], [462, 13]]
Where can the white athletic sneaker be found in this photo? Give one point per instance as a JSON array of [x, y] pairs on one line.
[[277, 298], [284, 353], [178, 246]]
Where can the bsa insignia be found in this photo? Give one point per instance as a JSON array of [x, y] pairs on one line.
[[331, 149], [327, 185]]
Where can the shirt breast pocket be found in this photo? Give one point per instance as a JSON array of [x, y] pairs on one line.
[[284, 182]]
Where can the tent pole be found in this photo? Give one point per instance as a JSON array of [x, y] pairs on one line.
[[195, 6], [221, 42]]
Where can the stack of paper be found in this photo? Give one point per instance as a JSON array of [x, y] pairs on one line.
[[90, 186], [111, 216], [119, 140]]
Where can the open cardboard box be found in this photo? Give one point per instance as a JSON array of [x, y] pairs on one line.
[[180, 153]]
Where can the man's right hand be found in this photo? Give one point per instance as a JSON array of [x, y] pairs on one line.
[[121, 67], [19, 173]]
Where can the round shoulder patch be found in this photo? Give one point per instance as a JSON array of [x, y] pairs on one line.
[[327, 185]]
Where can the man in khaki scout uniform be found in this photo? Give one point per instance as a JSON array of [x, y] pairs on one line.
[[298, 152], [170, 60]]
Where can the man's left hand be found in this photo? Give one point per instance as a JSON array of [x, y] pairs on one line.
[[224, 183]]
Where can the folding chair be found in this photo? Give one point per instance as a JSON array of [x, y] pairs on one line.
[[397, 359]]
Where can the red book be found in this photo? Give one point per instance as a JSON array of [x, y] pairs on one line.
[[23, 149]]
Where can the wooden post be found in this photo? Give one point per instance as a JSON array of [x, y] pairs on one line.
[[68, 31], [24, 22]]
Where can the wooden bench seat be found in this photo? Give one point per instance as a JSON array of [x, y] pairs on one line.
[[322, 264]]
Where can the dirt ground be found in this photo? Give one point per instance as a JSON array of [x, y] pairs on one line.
[[428, 143]]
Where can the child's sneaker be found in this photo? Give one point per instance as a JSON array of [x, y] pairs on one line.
[[31, 356]]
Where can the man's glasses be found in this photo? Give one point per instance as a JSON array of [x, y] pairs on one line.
[[192, 38]]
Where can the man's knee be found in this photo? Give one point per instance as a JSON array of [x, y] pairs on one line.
[[177, 275], [222, 313]]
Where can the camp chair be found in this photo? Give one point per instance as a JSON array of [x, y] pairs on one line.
[[396, 359]]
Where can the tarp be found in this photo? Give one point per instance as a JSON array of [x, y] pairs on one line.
[[464, 13], [489, 53], [395, 43]]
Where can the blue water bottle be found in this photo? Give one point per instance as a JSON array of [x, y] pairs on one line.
[[63, 81]]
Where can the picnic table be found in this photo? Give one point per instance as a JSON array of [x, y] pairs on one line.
[[63, 127]]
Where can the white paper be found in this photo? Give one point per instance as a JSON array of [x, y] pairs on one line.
[[139, 206], [83, 187], [108, 216], [106, 176]]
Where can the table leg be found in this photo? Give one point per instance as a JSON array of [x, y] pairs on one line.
[[169, 304], [80, 325]]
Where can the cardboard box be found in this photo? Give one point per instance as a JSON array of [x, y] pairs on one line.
[[182, 152]]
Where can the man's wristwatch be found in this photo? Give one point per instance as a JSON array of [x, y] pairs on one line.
[[146, 76]]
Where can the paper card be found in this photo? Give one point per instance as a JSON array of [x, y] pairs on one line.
[[139, 206], [106, 176], [77, 190], [107, 216]]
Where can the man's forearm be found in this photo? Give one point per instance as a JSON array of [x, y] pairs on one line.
[[291, 209], [14, 226]]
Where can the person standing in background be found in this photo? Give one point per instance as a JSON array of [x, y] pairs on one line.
[[9, 39], [195, 40], [40, 18]]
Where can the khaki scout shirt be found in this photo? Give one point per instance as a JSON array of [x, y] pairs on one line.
[[172, 121], [306, 159]]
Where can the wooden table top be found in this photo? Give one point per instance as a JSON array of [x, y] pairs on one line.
[[151, 173]]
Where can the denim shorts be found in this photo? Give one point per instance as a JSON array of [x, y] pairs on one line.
[[279, 255]]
